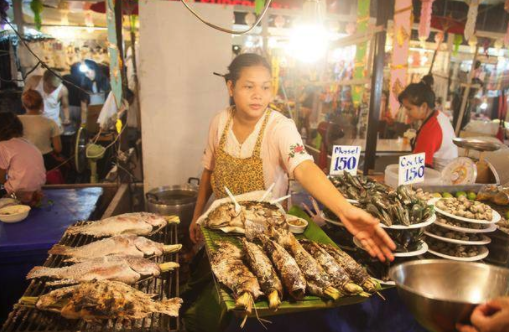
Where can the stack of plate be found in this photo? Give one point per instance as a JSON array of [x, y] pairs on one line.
[[397, 232], [452, 233]]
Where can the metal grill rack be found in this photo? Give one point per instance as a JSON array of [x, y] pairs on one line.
[[23, 319]]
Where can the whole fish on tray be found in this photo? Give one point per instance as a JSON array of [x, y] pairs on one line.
[[126, 245], [338, 276], [231, 271], [318, 281], [138, 223], [356, 272], [267, 277], [291, 275], [126, 269], [94, 301]]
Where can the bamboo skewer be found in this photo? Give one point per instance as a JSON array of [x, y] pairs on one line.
[[168, 266], [237, 206], [267, 192], [281, 199]]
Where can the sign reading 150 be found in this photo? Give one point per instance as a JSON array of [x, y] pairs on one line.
[[345, 159], [411, 168]]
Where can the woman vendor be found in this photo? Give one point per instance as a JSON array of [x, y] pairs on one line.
[[249, 148], [435, 135]]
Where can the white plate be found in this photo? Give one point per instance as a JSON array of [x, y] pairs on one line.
[[490, 229], [428, 222], [486, 240], [14, 213], [422, 250], [7, 201], [495, 218], [484, 253]]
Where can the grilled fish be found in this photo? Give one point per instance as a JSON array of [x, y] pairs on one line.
[[318, 281], [267, 277], [337, 274], [356, 272], [97, 300], [125, 245], [291, 275], [231, 271], [126, 269], [139, 223]]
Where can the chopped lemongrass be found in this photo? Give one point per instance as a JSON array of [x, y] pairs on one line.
[[168, 266], [274, 300], [332, 292], [365, 294], [28, 301], [171, 248], [174, 220], [244, 302]]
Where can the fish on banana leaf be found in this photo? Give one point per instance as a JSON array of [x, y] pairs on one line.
[[262, 267], [230, 270], [289, 271], [318, 281], [356, 272], [338, 276]]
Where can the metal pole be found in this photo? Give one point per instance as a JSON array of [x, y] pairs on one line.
[[467, 92], [120, 42], [376, 88], [18, 16]]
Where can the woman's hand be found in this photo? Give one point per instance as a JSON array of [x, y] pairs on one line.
[[195, 232], [492, 316], [368, 231], [317, 215]]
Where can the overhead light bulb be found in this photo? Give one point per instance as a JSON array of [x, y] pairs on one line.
[[83, 68]]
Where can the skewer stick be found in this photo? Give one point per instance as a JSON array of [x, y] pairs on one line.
[[237, 206], [168, 266], [267, 192], [281, 199], [171, 248]]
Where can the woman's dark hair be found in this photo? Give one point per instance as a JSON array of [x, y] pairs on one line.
[[418, 94], [103, 85], [10, 126], [242, 61], [429, 80]]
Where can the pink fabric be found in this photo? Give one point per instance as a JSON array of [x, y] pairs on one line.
[[425, 22], [24, 165], [282, 148]]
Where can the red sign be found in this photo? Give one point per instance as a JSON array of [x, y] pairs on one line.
[[248, 3]]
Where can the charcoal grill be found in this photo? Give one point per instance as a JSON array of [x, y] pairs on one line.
[[24, 319]]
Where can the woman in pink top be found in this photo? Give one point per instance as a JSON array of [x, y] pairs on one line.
[[22, 169]]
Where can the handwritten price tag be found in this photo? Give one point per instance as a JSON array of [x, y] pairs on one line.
[[411, 168], [345, 158]]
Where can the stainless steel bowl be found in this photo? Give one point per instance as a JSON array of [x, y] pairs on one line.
[[441, 293]]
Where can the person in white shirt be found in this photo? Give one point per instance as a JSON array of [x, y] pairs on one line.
[[54, 94]]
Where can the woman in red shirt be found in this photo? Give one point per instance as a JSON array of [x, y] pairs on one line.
[[435, 135]]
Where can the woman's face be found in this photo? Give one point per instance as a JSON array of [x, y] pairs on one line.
[[414, 112], [252, 92], [90, 74]]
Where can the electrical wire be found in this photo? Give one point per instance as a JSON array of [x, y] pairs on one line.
[[233, 32]]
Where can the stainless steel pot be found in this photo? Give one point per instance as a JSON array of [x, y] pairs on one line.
[[175, 200]]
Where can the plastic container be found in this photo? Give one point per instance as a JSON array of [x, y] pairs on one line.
[[431, 176]]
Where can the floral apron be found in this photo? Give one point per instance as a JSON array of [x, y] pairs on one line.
[[239, 175]]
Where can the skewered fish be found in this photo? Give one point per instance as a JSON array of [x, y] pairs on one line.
[[126, 269], [231, 271], [267, 277], [291, 275], [139, 223], [126, 245], [318, 281], [97, 300], [338, 275], [356, 272]]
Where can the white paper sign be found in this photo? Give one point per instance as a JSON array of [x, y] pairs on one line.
[[345, 158], [411, 168]]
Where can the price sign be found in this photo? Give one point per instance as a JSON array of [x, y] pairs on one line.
[[345, 158], [411, 168]]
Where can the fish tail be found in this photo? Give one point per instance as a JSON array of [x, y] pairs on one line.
[[58, 250], [39, 271], [170, 307]]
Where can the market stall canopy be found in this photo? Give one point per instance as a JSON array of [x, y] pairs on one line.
[[129, 7], [448, 24]]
